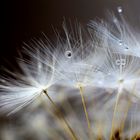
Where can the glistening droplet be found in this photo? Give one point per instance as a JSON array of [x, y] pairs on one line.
[[119, 9], [68, 54], [120, 42]]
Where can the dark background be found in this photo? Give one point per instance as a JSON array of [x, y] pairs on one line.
[[24, 19]]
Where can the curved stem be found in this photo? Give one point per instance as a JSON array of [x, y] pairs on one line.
[[60, 115]]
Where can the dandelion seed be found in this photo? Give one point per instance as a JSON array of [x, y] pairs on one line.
[[25, 87]]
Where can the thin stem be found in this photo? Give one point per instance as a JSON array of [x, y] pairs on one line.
[[125, 116], [114, 113], [85, 110], [60, 115], [115, 110]]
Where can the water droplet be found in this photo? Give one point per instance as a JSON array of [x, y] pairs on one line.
[[119, 9], [126, 48], [68, 54], [120, 42], [121, 62]]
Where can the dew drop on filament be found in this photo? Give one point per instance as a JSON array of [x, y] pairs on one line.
[[120, 62], [123, 44], [119, 9], [120, 42], [126, 48], [68, 54]]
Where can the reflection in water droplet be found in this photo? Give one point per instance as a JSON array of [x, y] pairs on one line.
[[119, 9], [68, 54], [120, 43]]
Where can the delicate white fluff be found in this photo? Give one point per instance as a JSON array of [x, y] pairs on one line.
[[98, 62], [117, 35], [21, 88]]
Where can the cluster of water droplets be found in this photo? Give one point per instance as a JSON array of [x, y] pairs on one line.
[[120, 42], [120, 62]]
